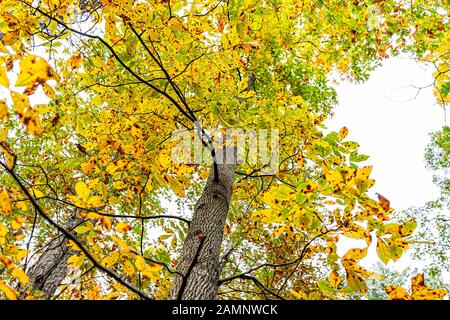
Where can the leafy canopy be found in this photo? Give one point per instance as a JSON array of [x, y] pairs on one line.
[[121, 76]]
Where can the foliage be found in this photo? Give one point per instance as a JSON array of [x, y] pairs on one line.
[[430, 243], [419, 291], [121, 76], [437, 158], [401, 279]]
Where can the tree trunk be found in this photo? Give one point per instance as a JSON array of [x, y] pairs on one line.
[[199, 262], [51, 268]]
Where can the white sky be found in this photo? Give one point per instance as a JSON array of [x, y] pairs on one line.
[[392, 126]]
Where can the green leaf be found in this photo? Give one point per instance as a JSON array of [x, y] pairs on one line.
[[350, 145], [384, 253], [83, 229], [355, 157]]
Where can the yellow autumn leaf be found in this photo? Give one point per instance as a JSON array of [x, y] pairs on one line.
[[355, 254], [136, 132], [128, 149], [5, 202], [3, 110], [22, 205], [350, 145], [20, 101], [121, 243], [354, 231], [334, 279], [10, 38], [37, 193], [8, 291], [397, 293], [419, 291], [3, 230], [83, 229], [406, 229], [164, 160], [73, 245], [119, 185], [151, 271], [128, 268], [343, 132], [111, 296], [139, 262], [15, 225], [417, 282], [48, 90], [32, 121], [299, 294], [362, 178], [7, 262], [112, 168], [335, 179], [33, 69], [320, 118], [279, 231], [21, 254], [95, 201], [10, 22], [111, 259], [363, 173], [106, 222], [75, 260], [356, 282], [176, 186], [27, 115], [4, 81], [122, 227], [93, 293], [10, 159], [264, 215], [21, 276], [3, 135], [430, 294], [75, 61], [82, 190]]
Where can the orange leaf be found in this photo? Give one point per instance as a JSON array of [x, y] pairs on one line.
[[123, 227], [334, 279], [8, 291], [343, 132], [397, 293], [384, 202], [417, 283], [75, 61]]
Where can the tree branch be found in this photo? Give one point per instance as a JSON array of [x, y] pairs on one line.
[[261, 286], [116, 56], [275, 265], [189, 114], [125, 216]]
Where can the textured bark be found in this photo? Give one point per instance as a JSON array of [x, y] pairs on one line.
[[199, 261], [51, 268]]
